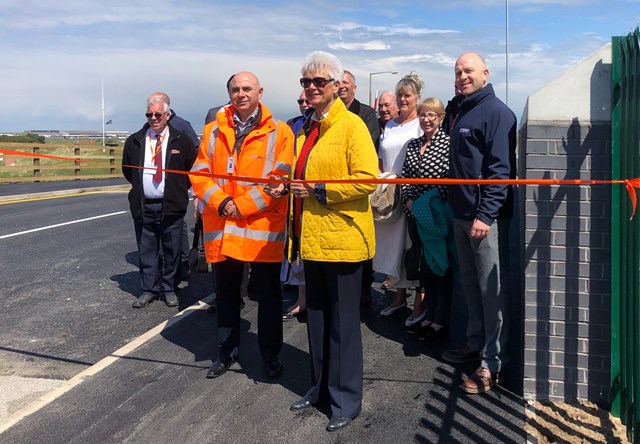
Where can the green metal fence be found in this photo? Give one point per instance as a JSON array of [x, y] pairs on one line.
[[625, 239]]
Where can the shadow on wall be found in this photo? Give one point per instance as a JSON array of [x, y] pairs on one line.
[[570, 247]]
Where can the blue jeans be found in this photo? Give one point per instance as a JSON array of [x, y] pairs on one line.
[[479, 262]]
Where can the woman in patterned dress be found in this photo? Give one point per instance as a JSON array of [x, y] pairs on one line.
[[428, 157]]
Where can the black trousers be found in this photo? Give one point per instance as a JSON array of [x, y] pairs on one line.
[[228, 280], [438, 292], [154, 231], [335, 342]]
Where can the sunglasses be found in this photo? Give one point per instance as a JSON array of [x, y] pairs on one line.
[[301, 101], [156, 115], [319, 82]]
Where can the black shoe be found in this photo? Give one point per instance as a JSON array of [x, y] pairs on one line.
[[221, 366], [144, 300], [337, 422], [429, 332], [272, 367], [171, 299], [211, 308], [301, 404]]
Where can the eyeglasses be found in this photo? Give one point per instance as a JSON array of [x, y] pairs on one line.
[[156, 115], [319, 82], [430, 116], [301, 101]]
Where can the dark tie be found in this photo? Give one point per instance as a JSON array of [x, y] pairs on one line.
[[157, 159]]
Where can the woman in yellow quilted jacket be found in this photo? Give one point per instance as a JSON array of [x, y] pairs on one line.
[[332, 232]]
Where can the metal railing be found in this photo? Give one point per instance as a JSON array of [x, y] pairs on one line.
[[625, 235], [93, 162]]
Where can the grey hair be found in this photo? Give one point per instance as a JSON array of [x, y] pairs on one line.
[[159, 98], [411, 81], [346, 71], [319, 61]]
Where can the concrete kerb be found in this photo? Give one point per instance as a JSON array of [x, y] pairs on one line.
[[60, 193], [102, 364]]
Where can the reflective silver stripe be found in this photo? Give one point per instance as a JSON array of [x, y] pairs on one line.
[[212, 140], [222, 182], [255, 234], [207, 194], [210, 236], [270, 155], [200, 166], [257, 198], [282, 167], [247, 184]]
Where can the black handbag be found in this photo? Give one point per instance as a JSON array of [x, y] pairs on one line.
[[413, 256], [197, 257]]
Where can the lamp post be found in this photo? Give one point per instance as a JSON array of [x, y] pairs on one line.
[[371, 74]]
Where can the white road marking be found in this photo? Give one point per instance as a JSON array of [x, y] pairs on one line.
[[61, 225], [101, 365]]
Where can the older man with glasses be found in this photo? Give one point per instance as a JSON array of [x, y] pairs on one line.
[[158, 200]]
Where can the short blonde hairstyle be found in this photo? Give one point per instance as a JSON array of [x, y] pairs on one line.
[[432, 104]]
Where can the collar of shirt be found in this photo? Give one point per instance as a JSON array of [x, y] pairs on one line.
[[317, 118], [240, 125], [151, 134]]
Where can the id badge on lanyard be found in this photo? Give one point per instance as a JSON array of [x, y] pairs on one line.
[[230, 165]]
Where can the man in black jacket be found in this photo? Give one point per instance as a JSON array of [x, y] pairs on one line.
[[158, 199], [347, 93]]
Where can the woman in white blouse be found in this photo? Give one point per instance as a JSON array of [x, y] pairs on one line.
[[392, 239]]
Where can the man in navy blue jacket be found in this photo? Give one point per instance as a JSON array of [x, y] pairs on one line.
[[483, 140]]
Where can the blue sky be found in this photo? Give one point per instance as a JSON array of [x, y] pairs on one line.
[[53, 55]]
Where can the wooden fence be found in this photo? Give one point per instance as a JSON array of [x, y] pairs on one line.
[[94, 162]]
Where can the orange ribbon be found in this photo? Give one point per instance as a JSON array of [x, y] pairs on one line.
[[631, 185]]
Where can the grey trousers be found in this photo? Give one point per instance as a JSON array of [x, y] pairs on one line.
[[479, 262]]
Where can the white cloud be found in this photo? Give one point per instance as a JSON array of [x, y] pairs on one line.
[[374, 45], [54, 54]]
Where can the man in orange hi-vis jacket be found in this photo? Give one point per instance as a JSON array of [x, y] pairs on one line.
[[242, 222]]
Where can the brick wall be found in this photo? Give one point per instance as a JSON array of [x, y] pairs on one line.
[[566, 235]]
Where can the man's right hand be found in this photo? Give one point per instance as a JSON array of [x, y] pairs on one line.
[[231, 211]]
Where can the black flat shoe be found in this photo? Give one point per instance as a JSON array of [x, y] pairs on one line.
[[301, 404], [273, 367], [221, 366], [338, 422], [429, 332]]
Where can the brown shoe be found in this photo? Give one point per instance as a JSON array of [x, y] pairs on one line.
[[461, 355], [479, 382]]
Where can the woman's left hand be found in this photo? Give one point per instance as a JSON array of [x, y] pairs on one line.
[[302, 190]]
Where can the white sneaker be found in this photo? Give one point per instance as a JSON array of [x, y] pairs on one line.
[[391, 310]]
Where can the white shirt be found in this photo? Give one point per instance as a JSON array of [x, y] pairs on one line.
[[393, 144], [153, 190]]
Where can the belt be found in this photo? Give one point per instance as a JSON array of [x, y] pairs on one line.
[[152, 201]]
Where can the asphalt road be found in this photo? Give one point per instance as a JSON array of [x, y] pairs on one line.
[[67, 290], [66, 304]]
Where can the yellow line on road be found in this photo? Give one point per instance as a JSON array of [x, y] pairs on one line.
[[34, 199]]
